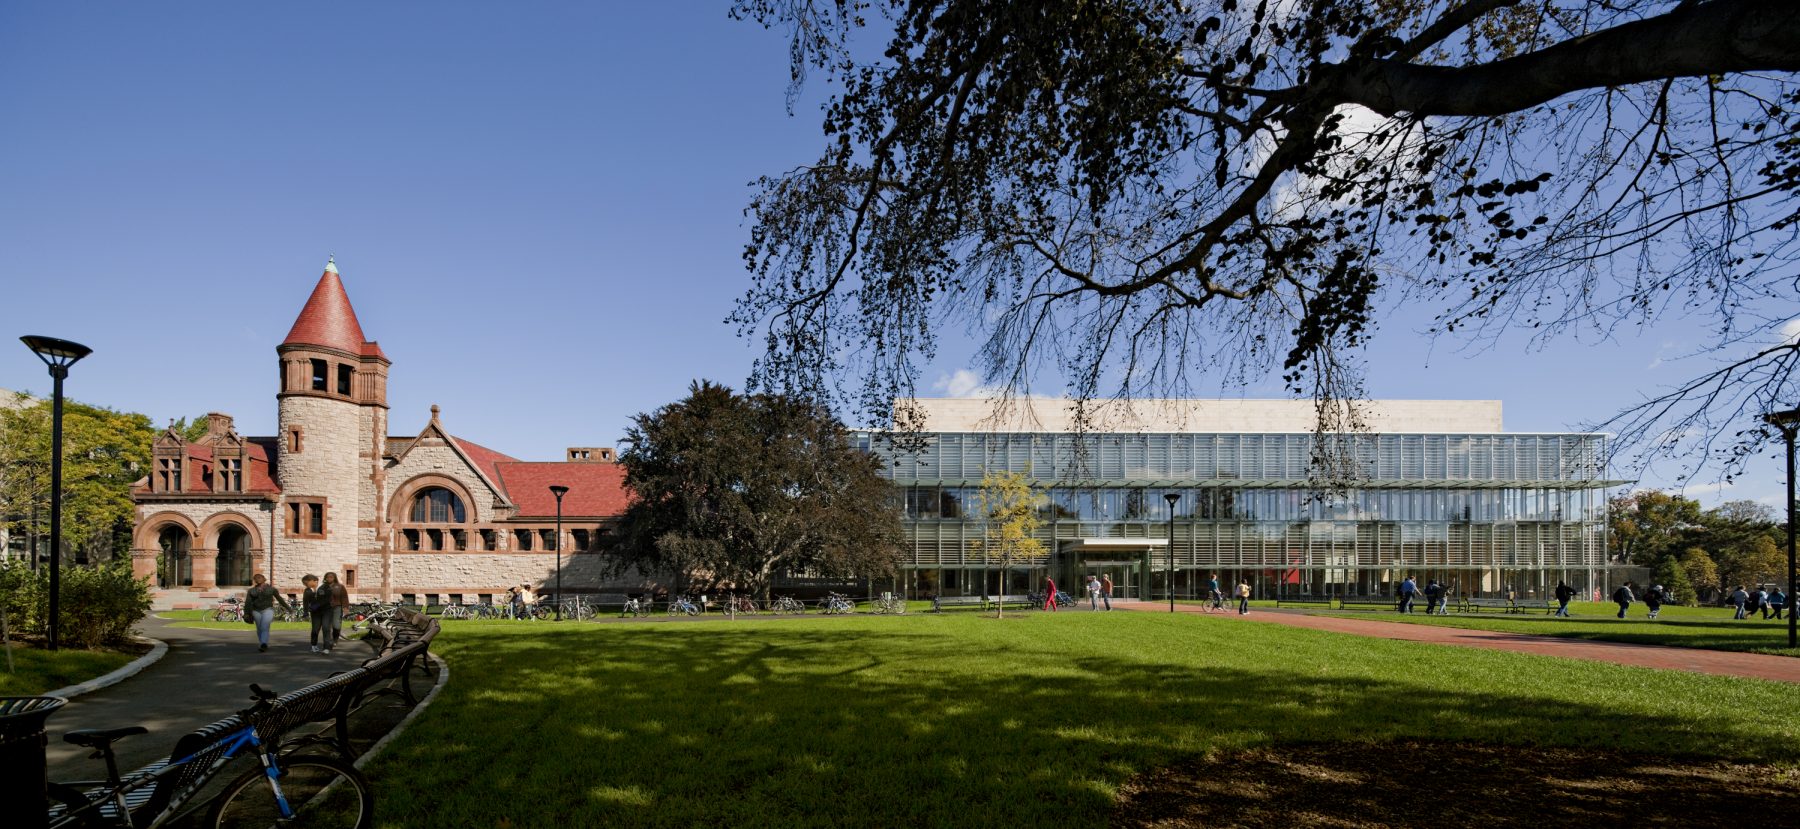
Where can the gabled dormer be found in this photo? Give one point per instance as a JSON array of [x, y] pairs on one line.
[[230, 462], [168, 462]]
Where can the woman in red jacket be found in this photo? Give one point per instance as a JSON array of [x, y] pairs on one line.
[[1050, 594]]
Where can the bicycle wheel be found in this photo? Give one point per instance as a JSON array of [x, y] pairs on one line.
[[225, 614], [323, 793]]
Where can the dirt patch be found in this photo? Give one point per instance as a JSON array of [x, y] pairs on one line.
[[1439, 784]]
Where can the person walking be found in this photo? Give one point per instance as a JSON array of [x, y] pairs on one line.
[[259, 605], [1563, 594], [1106, 590], [1050, 594], [1778, 602], [1653, 599], [317, 605], [337, 600], [1738, 599], [1093, 591], [1624, 597], [1409, 589], [1759, 601], [1434, 596], [1243, 593]]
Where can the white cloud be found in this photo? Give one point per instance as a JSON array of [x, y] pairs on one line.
[[961, 383], [1790, 330], [1715, 489]]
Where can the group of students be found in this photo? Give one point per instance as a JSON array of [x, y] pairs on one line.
[[1437, 597], [324, 603], [1771, 603], [1100, 588]]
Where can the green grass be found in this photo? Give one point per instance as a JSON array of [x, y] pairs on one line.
[[203, 619], [958, 719], [36, 670], [1687, 627]]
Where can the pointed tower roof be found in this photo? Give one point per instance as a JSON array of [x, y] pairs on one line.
[[328, 320]]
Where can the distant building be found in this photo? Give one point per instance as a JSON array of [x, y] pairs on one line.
[[1443, 492], [10, 399], [426, 516]]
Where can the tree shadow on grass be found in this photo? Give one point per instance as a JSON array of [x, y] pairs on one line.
[[891, 726]]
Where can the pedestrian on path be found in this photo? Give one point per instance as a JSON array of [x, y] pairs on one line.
[[1093, 590], [337, 600], [1434, 597], [1563, 594], [318, 609], [1653, 599], [1778, 602], [1409, 590], [259, 603], [1624, 597], [1243, 592], [1050, 594], [1759, 601], [1106, 591], [1738, 599]]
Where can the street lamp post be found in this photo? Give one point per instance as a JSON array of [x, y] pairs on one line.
[[559, 491], [58, 355], [1172, 497], [1788, 422]]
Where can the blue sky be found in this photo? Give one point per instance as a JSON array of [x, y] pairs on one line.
[[536, 208]]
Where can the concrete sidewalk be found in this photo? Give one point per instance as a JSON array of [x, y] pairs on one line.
[[1697, 660], [205, 677]]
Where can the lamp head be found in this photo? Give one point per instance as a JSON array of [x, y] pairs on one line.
[[1171, 497], [559, 491], [1783, 420], [57, 354]]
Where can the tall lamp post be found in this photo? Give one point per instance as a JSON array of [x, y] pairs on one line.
[[1171, 497], [1788, 422], [58, 355], [559, 491]]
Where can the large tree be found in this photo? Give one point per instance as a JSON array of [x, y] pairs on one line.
[[104, 451], [1138, 192], [1649, 525], [734, 489]]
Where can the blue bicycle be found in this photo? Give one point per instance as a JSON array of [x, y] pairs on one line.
[[299, 790]]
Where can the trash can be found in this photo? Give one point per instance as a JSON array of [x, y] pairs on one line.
[[22, 745]]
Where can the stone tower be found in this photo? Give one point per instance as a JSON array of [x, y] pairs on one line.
[[333, 422]]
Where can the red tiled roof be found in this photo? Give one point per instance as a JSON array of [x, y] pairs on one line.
[[328, 320], [595, 489], [486, 459]]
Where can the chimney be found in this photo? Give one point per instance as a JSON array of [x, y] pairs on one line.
[[217, 425], [591, 454]]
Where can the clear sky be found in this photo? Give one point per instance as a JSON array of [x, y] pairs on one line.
[[537, 209]]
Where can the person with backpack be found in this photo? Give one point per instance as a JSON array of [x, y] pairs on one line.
[[1409, 590], [259, 608], [1624, 597], [1738, 599], [1653, 599], [337, 600], [1759, 601], [318, 606], [1564, 593], [1778, 602], [1434, 596]]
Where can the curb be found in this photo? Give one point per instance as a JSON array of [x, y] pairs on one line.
[[442, 680], [158, 649]]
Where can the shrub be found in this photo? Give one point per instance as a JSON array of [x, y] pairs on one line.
[[99, 604]]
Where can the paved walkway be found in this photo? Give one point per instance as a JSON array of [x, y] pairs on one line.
[[205, 677], [1724, 663]]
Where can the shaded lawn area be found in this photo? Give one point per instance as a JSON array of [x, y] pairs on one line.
[[963, 720], [203, 619], [1686, 627], [36, 670]]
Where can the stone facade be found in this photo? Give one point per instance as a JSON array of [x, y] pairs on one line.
[[429, 516]]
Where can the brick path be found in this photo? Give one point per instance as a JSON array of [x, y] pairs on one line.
[[1697, 660]]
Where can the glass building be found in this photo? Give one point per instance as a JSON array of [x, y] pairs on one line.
[[1479, 509]]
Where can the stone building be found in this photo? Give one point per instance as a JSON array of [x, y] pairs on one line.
[[426, 517]]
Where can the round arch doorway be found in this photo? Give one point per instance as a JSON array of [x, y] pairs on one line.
[[174, 566], [235, 562]]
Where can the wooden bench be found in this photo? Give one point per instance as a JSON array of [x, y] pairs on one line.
[[1367, 602], [939, 603], [1478, 605]]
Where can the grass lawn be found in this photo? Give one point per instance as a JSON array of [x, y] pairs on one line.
[[958, 719], [36, 670], [1687, 627], [203, 619]]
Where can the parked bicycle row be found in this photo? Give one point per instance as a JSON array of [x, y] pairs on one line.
[[625, 606]]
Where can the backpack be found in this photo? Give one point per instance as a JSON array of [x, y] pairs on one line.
[[1623, 594]]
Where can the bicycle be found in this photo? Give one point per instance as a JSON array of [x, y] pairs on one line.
[[577, 609], [454, 611], [291, 613], [679, 605], [739, 605], [296, 784], [889, 604], [636, 607], [787, 604], [835, 604], [228, 610]]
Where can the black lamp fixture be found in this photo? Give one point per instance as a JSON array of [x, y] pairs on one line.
[[1789, 422], [1172, 497], [58, 355], [559, 491]]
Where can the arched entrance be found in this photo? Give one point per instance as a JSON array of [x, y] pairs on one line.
[[174, 567], [235, 559]]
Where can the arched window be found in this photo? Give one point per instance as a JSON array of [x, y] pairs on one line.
[[437, 506]]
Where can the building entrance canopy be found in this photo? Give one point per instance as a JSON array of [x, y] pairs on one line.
[[1113, 545]]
